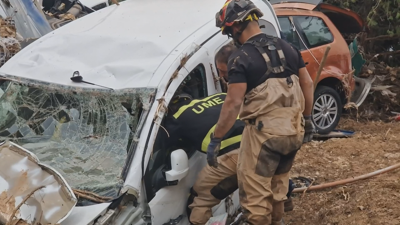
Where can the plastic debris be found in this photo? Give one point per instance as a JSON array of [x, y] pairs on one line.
[[218, 220]]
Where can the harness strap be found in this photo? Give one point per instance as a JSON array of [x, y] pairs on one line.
[[268, 62], [283, 58], [273, 66]]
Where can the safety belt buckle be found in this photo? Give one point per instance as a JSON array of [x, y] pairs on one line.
[[289, 81], [260, 125]]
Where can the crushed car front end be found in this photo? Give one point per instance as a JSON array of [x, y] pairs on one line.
[[65, 147]]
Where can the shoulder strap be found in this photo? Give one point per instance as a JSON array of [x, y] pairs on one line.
[[272, 65], [274, 47], [283, 58]]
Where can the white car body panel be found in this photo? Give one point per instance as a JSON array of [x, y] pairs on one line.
[[119, 52], [22, 176], [114, 48], [168, 203]]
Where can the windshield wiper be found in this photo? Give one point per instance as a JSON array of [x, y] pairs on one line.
[[76, 77]]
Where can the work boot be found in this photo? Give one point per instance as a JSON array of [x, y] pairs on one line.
[[289, 205]]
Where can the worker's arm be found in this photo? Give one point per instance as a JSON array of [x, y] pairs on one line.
[[237, 66], [307, 86], [230, 109]]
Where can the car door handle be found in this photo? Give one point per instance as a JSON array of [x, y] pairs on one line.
[[306, 63]]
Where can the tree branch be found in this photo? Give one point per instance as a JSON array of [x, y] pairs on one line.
[[383, 37], [390, 53]]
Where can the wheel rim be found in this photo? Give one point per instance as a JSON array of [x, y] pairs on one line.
[[325, 111]]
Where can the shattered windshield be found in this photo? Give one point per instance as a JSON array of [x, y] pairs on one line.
[[84, 136]]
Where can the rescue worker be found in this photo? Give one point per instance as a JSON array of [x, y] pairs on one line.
[[221, 62], [190, 122], [271, 89]]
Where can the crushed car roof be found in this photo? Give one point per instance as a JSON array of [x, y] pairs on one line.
[[118, 46]]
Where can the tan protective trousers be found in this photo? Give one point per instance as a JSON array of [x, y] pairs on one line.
[[273, 134], [220, 180]]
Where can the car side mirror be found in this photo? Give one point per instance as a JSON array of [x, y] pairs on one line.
[[179, 166]]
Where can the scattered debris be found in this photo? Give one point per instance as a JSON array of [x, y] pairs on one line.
[[11, 220], [37, 185], [384, 94], [218, 220], [347, 88], [7, 28], [90, 196], [397, 116], [115, 2], [9, 45], [336, 159]]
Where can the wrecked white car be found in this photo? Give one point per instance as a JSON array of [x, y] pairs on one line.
[[84, 149], [24, 21]]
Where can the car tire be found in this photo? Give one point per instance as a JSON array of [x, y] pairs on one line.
[[327, 109]]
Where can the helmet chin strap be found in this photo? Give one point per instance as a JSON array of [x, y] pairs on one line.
[[237, 35]]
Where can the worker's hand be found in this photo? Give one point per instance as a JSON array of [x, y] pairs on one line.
[[213, 150], [309, 129]]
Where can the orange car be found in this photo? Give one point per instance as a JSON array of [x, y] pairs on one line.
[[311, 26]]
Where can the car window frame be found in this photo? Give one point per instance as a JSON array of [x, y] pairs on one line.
[[267, 22], [155, 163], [204, 80], [303, 34], [303, 46]]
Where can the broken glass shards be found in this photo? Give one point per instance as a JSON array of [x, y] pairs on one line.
[[84, 135]]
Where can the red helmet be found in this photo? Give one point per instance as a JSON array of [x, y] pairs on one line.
[[236, 11]]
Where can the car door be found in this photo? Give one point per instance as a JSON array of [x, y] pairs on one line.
[[315, 35], [289, 34], [168, 203], [311, 38]]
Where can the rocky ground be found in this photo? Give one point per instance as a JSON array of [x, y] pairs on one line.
[[374, 201]]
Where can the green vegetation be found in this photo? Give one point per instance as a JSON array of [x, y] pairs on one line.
[[383, 20]]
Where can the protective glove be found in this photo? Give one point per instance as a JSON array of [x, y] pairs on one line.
[[213, 150], [309, 129]]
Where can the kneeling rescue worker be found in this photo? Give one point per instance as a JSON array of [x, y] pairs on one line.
[[192, 121], [271, 90]]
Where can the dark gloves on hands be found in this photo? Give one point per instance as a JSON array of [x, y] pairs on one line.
[[213, 150], [309, 129]]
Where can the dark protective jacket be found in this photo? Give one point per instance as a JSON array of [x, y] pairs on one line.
[[193, 123]]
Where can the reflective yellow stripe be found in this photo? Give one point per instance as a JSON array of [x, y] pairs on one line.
[[207, 139], [224, 143], [192, 103], [230, 141]]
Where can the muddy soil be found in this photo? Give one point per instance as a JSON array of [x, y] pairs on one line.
[[374, 201]]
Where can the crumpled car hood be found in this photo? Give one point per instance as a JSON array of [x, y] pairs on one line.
[[30, 192]]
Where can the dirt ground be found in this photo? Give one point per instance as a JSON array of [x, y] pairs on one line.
[[374, 201]]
